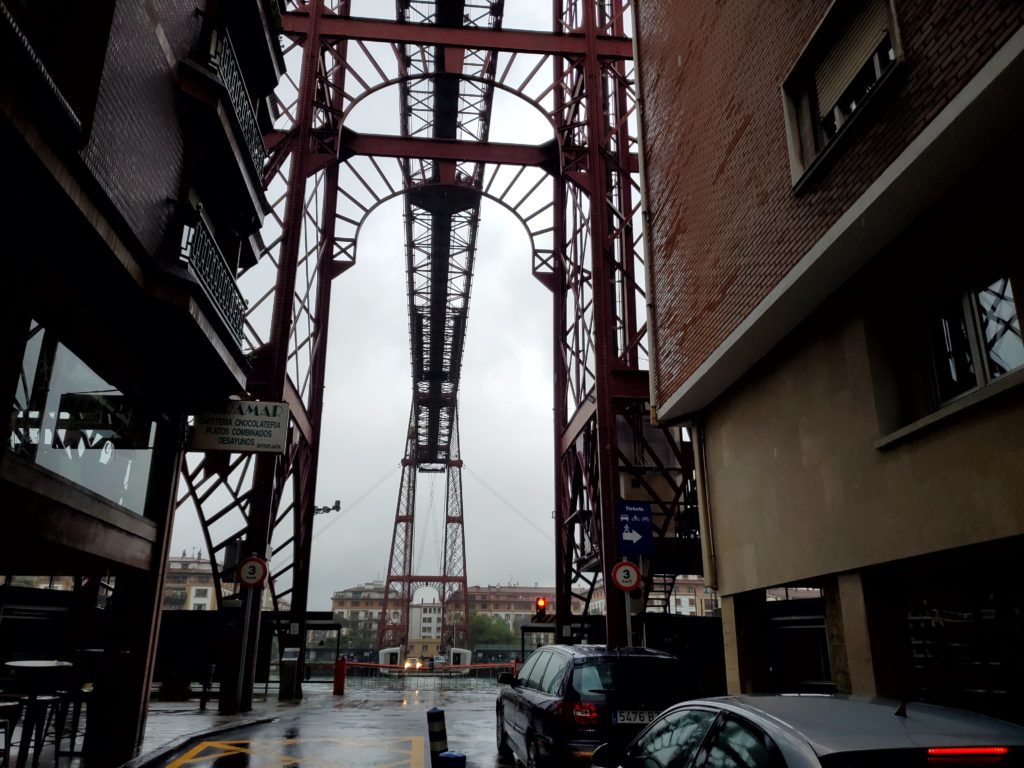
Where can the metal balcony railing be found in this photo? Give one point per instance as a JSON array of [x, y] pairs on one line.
[[224, 62], [202, 256]]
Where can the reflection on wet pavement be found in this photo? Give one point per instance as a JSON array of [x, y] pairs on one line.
[[371, 728], [400, 752]]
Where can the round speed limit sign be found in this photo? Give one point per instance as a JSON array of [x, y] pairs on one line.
[[626, 576], [252, 571]]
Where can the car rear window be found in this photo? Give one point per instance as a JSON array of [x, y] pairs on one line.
[[596, 679]]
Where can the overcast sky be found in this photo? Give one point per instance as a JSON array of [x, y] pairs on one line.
[[505, 400]]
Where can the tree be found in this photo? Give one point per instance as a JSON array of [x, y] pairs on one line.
[[357, 634], [490, 630]]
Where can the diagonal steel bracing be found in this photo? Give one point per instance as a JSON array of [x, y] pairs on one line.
[[578, 199]]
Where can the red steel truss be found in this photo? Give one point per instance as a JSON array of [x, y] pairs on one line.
[[402, 583], [576, 196]]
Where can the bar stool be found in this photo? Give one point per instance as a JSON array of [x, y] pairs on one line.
[[79, 693], [71, 704], [39, 711], [39, 682], [10, 713]]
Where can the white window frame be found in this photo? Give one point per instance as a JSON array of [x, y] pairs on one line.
[[807, 150]]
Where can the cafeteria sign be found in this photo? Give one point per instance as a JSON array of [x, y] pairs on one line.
[[242, 426]]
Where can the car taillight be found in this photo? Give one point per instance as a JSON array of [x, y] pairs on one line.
[[584, 714], [577, 713], [965, 754]]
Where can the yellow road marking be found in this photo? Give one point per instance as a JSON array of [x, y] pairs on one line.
[[409, 751]]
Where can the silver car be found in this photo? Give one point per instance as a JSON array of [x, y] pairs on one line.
[[814, 731]]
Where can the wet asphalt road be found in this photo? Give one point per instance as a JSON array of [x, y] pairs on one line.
[[378, 722]]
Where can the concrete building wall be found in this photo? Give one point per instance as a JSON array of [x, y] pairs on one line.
[[798, 487]]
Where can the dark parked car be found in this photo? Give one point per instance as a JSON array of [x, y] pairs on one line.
[[568, 699], [817, 731]]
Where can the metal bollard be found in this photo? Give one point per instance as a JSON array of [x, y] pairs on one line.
[[339, 677], [207, 683], [438, 735], [451, 760]]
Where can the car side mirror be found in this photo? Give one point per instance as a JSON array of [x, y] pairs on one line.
[[606, 756], [507, 678]]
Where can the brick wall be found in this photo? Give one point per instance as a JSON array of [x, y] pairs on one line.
[[725, 224], [136, 148]]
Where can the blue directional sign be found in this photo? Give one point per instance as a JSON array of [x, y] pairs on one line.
[[636, 533]]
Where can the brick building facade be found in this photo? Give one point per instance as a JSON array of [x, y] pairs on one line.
[[835, 283]]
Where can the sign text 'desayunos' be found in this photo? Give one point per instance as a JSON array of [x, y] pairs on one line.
[[242, 426]]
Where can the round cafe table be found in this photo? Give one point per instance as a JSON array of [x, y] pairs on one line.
[[41, 676], [38, 664]]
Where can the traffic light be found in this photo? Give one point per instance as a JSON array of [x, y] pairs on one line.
[[542, 606]]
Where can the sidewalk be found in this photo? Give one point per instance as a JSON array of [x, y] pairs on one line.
[[170, 724], [378, 722]]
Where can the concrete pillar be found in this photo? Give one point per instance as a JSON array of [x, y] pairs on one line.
[[853, 669], [732, 653], [743, 635]]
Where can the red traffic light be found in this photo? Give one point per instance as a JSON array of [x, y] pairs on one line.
[[542, 603]]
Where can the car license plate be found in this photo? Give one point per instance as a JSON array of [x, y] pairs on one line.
[[633, 716]]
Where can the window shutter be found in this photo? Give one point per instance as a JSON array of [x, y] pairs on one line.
[[851, 50]]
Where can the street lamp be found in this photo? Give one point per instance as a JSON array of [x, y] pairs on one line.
[[325, 510]]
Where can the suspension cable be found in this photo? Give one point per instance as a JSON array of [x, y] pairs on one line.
[[546, 534]]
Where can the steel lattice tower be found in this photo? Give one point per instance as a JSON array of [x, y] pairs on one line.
[[576, 196], [442, 213], [402, 582]]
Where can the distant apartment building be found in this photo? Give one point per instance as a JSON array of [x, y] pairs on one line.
[[425, 620], [425, 629], [189, 586], [513, 604], [689, 596], [358, 608]]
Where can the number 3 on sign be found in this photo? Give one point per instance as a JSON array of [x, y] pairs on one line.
[[252, 571], [626, 576]]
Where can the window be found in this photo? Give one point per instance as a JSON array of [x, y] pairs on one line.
[[852, 52], [738, 745], [628, 677], [71, 421], [537, 674], [553, 675], [974, 339], [527, 670], [672, 742], [201, 592]]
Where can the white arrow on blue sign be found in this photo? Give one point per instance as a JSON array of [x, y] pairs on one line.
[[636, 532]]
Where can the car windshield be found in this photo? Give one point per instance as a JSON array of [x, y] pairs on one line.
[[625, 677]]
